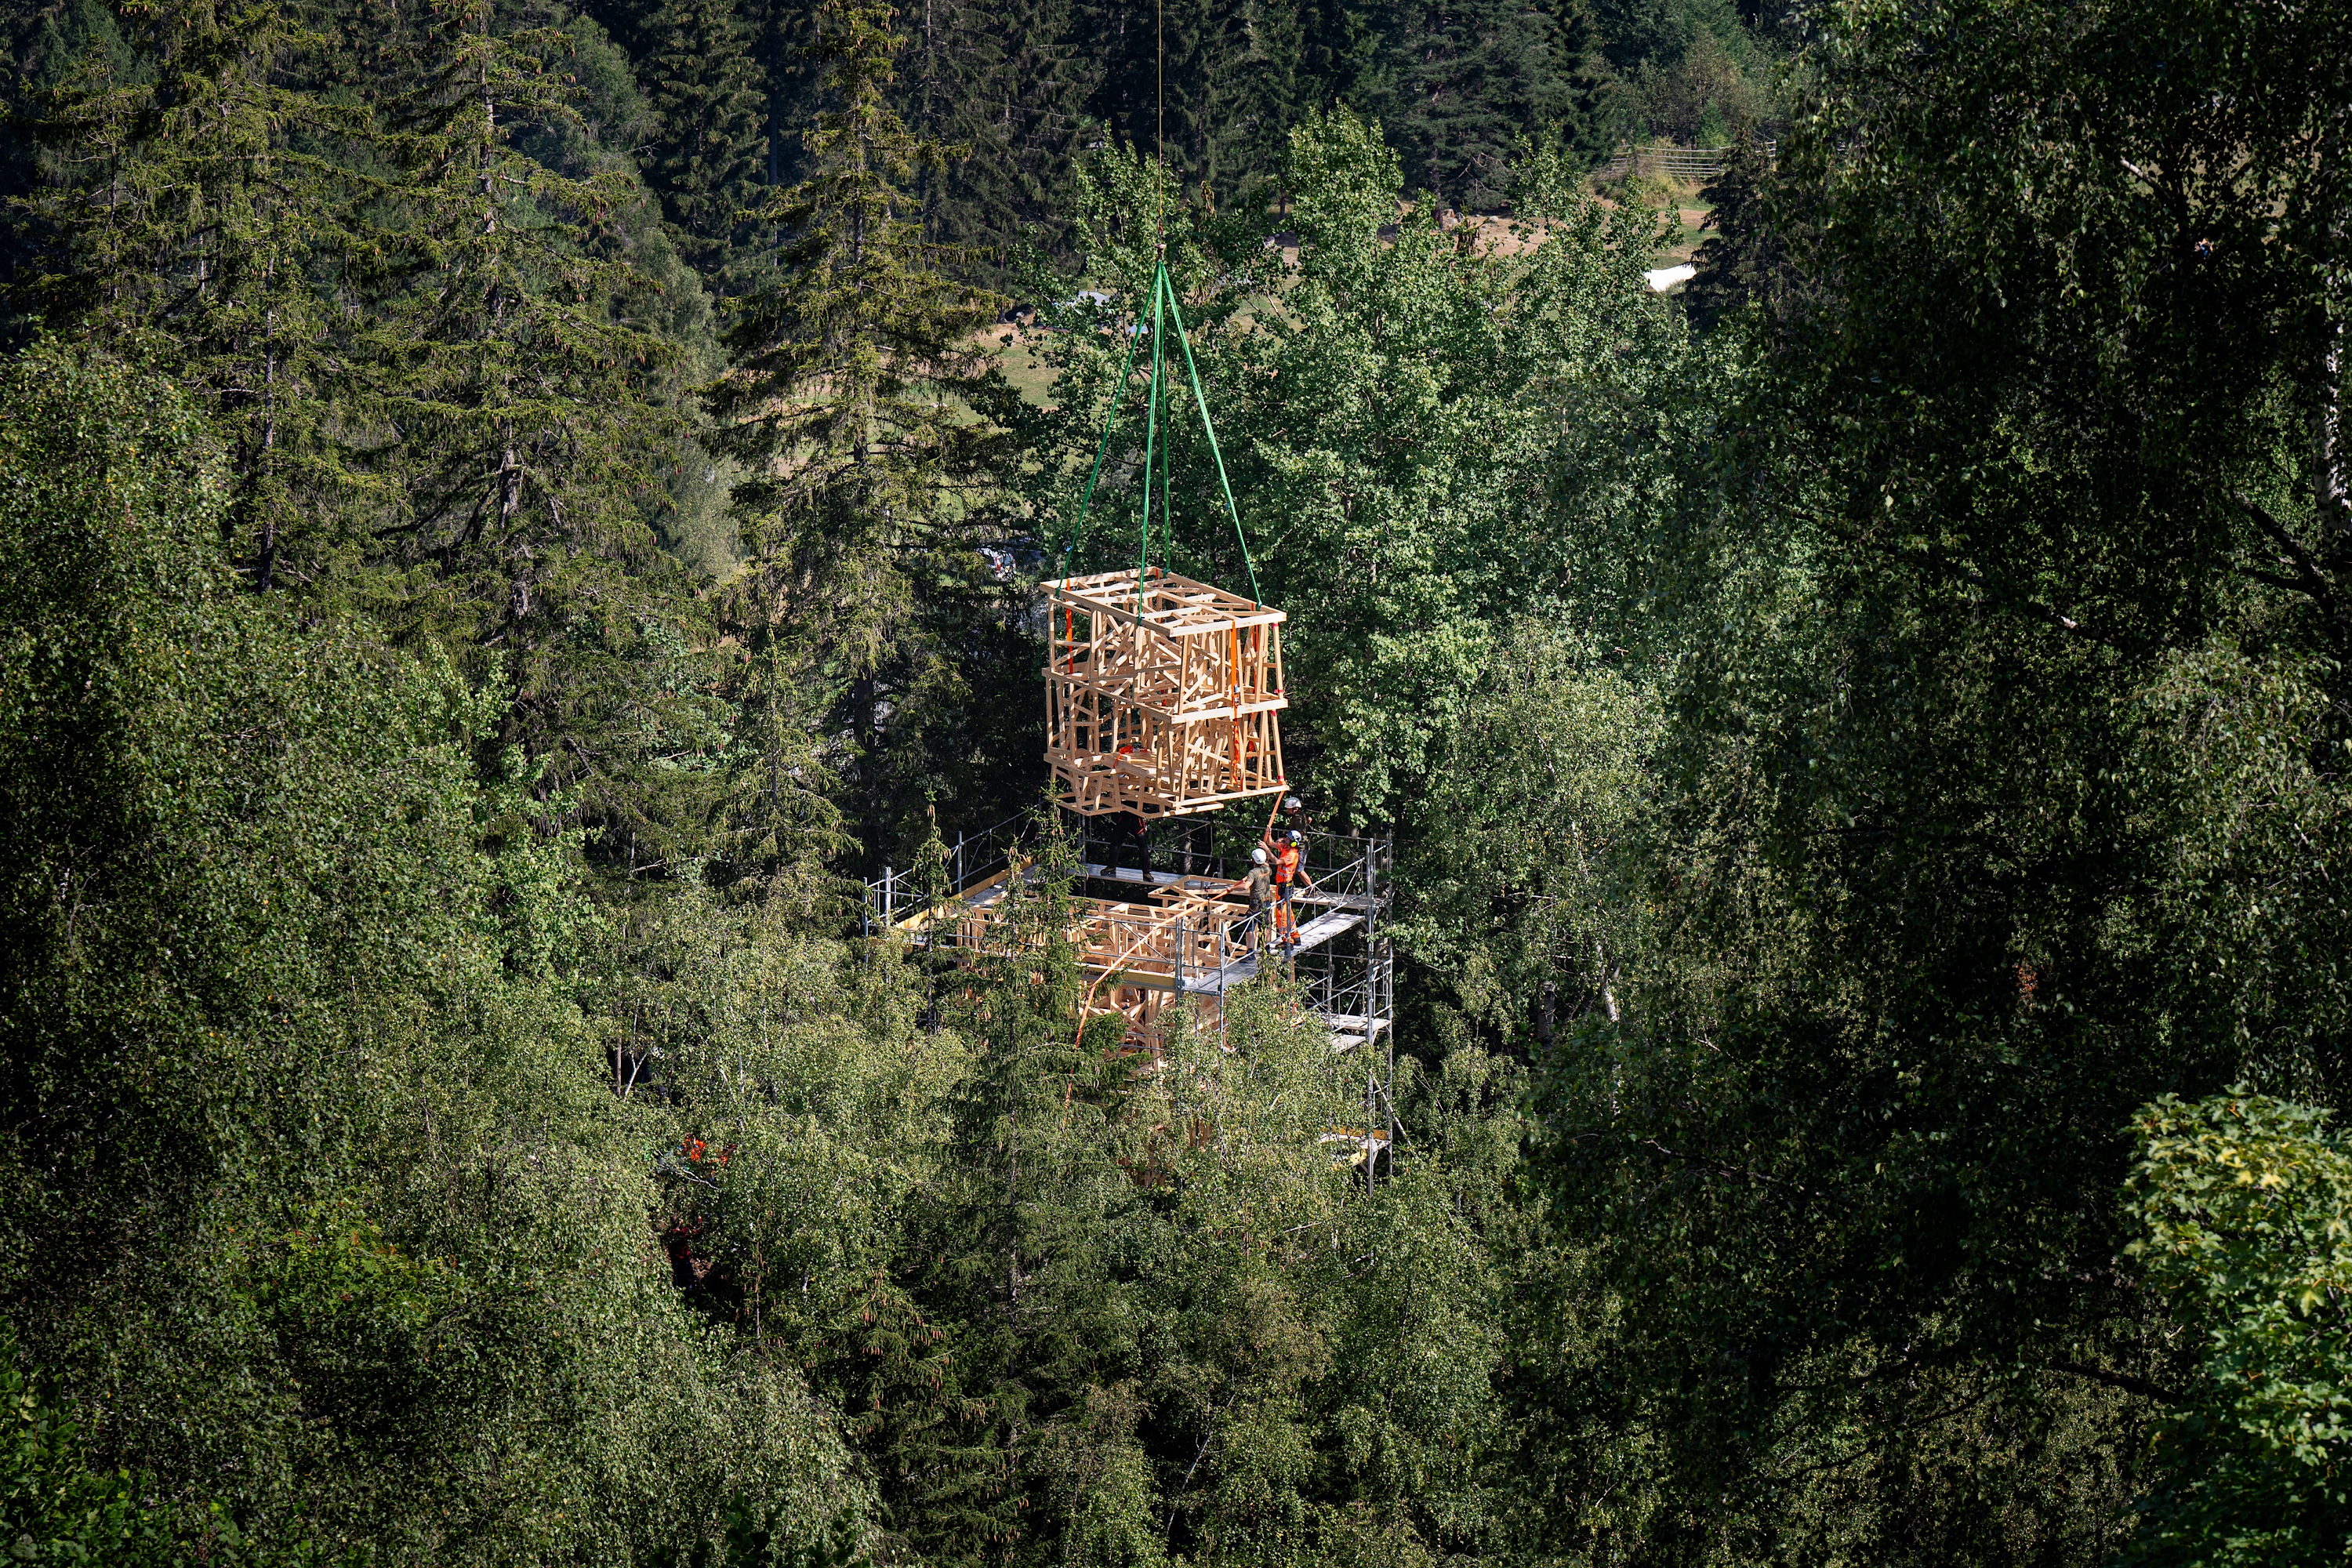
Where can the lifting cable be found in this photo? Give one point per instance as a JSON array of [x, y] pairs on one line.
[[1166, 313], [1158, 418]]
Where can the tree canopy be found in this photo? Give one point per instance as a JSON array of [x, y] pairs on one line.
[[516, 514]]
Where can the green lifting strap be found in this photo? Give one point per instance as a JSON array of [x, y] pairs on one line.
[[1117, 397], [1231, 509], [1155, 445]]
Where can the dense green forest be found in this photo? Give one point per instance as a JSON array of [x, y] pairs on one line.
[[514, 511]]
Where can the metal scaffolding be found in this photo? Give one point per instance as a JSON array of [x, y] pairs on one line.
[[1150, 938]]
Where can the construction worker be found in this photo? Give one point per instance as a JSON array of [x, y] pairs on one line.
[[1289, 870], [1130, 834], [1259, 885], [1294, 812]]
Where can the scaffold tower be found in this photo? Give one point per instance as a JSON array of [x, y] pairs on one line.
[[1150, 938]]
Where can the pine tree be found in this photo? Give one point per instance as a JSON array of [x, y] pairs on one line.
[[870, 487], [705, 163]]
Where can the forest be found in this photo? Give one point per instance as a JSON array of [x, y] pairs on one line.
[[517, 513]]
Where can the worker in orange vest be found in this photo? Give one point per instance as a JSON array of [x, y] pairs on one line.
[[1289, 869]]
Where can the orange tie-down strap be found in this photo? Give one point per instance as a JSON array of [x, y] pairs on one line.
[[1234, 691]]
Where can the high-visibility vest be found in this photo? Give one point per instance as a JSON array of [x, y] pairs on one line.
[[1286, 864]]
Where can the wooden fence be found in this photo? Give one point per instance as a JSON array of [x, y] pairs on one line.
[[1664, 158]]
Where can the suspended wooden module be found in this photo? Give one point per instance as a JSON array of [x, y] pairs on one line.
[[1162, 694]]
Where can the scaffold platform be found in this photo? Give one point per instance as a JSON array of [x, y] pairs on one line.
[[1149, 940]]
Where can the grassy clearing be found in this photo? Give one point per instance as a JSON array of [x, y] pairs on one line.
[[1681, 199]]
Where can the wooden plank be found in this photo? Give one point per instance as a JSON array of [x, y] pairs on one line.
[[978, 896], [1332, 900], [1323, 928]]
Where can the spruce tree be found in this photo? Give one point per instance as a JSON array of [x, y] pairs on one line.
[[1027, 1121], [1747, 260], [1009, 84], [1217, 87], [705, 163], [193, 209], [523, 423], [870, 485], [1471, 80]]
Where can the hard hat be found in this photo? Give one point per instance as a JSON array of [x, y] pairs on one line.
[[1296, 837], [1257, 857], [1292, 803]]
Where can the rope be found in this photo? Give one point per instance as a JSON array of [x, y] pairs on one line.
[[1160, 134], [1151, 424], [1208, 425], [1117, 397]]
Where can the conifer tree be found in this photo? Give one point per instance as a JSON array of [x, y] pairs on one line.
[[524, 422], [704, 164], [1028, 1122], [1009, 83], [193, 207], [870, 488], [1470, 80], [1216, 87], [1747, 259]]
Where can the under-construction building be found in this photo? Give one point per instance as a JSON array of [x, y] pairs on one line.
[[1181, 934]]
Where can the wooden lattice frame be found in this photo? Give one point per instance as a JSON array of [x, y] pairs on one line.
[[1134, 955], [1162, 694]]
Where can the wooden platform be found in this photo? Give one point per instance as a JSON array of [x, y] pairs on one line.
[[1161, 694], [1163, 939]]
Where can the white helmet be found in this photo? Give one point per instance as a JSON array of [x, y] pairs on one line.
[[1257, 857], [1292, 803]]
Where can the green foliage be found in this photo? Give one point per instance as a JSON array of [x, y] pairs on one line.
[[1420, 468], [865, 418], [1878, 743], [2243, 1204], [1529, 853], [438, 325], [1071, 1301], [193, 203], [505, 363], [52, 1508], [1470, 83], [312, 1191], [1744, 263], [1994, 708], [1005, 86], [700, 89], [1697, 72]]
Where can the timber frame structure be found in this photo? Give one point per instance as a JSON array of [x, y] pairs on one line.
[[1162, 694], [1150, 942]]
